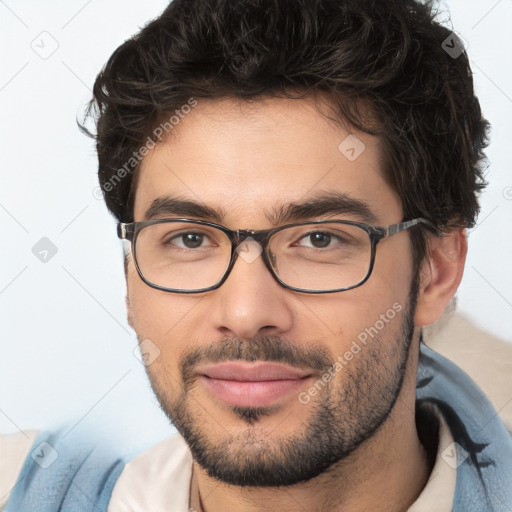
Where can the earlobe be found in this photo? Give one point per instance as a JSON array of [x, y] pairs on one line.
[[440, 275]]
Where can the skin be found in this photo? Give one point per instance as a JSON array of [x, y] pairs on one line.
[[238, 157]]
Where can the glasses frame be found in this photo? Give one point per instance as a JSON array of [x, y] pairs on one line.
[[130, 231]]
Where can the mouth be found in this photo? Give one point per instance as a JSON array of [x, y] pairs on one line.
[[251, 384]]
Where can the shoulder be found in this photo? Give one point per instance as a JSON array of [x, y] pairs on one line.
[[465, 371], [486, 358], [72, 470]]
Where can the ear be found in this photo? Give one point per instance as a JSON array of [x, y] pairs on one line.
[[440, 274]]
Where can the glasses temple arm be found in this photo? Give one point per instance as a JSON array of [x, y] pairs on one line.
[[402, 226]]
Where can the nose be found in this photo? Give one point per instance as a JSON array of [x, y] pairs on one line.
[[251, 302]]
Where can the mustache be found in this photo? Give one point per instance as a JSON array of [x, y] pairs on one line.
[[263, 348]]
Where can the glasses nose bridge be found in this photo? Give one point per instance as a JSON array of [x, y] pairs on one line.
[[259, 236], [262, 238]]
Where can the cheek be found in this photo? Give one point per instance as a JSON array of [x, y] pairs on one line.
[[393, 266], [165, 319], [371, 310]]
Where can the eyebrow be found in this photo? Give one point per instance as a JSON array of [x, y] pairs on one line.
[[320, 205], [168, 205]]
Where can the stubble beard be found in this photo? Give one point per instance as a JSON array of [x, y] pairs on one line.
[[341, 418]]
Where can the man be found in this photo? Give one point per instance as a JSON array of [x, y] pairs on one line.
[[293, 180]]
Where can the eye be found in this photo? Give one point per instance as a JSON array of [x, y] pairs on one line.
[[188, 240], [318, 239]]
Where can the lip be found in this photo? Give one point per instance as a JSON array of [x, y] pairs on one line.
[[251, 371], [251, 384]]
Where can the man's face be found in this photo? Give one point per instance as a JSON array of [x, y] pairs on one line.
[[247, 372]]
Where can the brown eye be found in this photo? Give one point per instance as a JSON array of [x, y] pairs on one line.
[[192, 240], [320, 240]]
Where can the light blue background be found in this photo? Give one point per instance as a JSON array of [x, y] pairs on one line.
[[67, 351]]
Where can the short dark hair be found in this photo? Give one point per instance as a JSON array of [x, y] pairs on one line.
[[381, 64]]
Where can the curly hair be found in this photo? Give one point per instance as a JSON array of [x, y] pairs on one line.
[[386, 55]]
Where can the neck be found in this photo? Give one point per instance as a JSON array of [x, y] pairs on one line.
[[386, 472]]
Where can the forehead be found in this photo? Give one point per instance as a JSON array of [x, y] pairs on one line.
[[248, 159]]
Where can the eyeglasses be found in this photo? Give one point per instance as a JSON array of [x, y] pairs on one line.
[[192, 256]]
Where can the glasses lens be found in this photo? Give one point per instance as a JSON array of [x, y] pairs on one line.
[[319, 257], [182, 255]]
